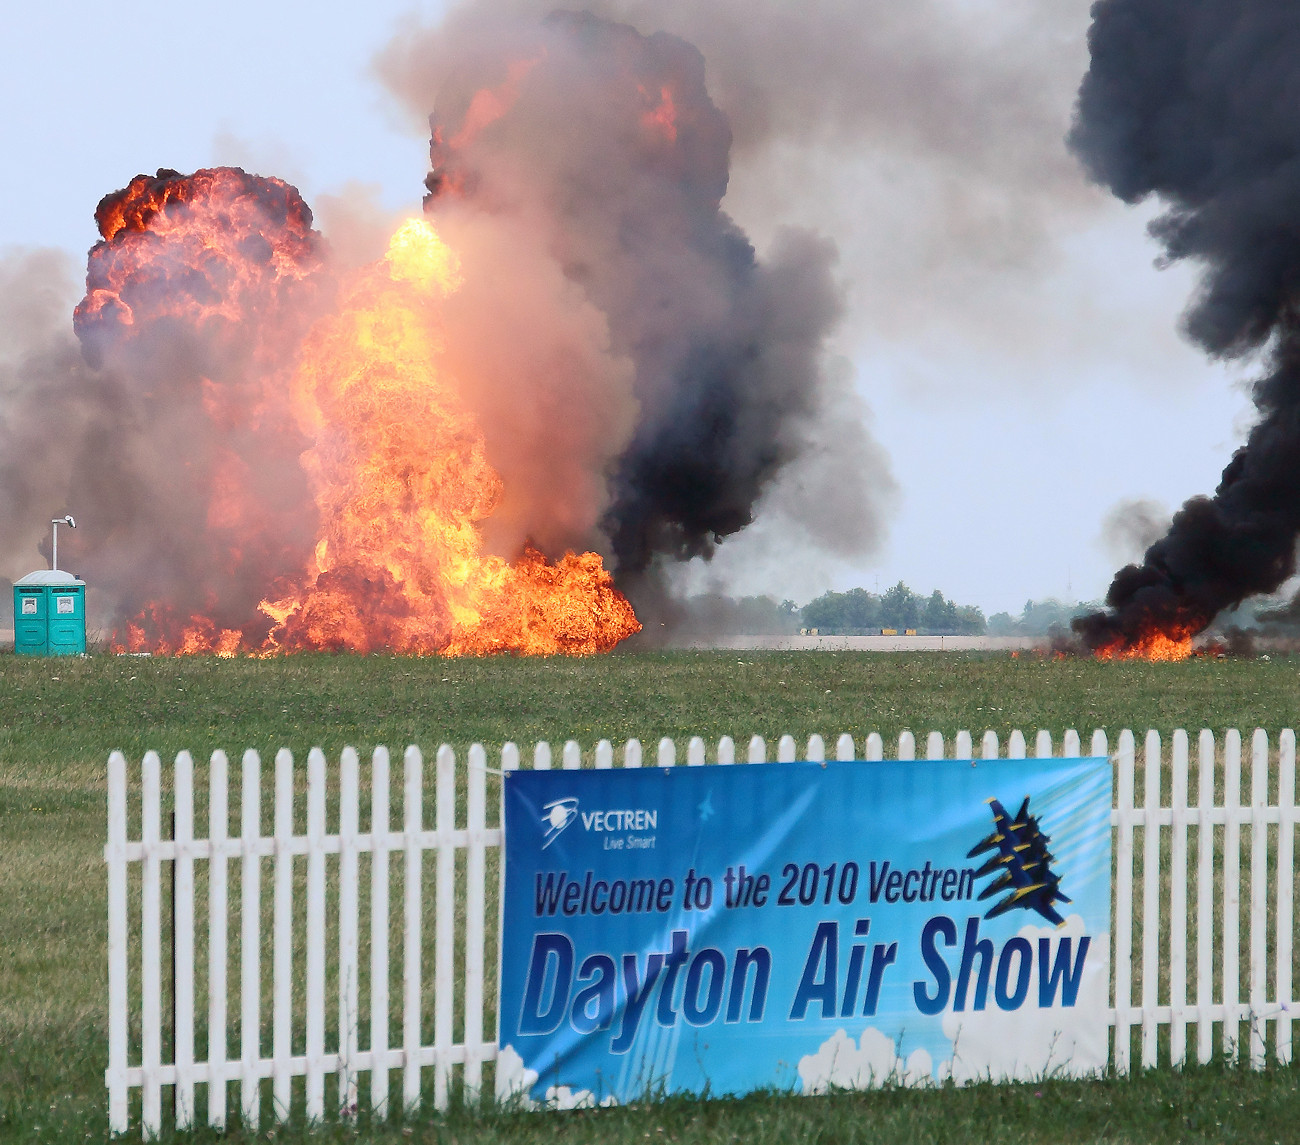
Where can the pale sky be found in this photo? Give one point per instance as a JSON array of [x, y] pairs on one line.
[[1018, 399]]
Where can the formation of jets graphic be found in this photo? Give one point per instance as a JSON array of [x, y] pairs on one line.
[[1021, 861]]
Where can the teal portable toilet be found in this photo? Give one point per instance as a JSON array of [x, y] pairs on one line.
[[49, 614]]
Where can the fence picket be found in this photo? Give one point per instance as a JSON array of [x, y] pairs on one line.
[[1204, 891], [1178, 902], [115, 856], [1270, 986], [1123, 975], [475, 897], [444, 954], [1152, 763], [379, 864], [250, 940], [412, 825], [183, 939], [1231, 956], [151, 945], [315, 1000], [1284, 983], [349, 1007], [282, 938], [1258, 896], [218, 828]]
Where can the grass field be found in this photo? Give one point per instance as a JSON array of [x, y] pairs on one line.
[[59, 719]]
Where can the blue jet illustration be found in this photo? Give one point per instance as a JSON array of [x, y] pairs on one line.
[[1022, 863]]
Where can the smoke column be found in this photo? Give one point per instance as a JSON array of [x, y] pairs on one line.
[[601, 148], [1195, 102]]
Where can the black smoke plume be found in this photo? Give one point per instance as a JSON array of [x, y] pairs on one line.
[[1195, 102], [607, 139]]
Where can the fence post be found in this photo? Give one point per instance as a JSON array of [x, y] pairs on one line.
[[757, 750], [115, 853], [695, 752], [1043, 744], [726, 750], [906, 746], [844, 749], [1016, 744], [934, 745], [785, 750], [961, 746], [1123, 976], [632, 753]]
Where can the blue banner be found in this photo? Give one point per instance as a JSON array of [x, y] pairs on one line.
[[803, 926]]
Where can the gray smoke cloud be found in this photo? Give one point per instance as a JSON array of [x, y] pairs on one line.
[[1192, 104], [605, 142]]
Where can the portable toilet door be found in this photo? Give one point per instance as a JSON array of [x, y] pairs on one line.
[[49, 614], [31, 629]]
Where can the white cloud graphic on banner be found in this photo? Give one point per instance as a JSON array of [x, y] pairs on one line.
[[1032, 1042], [515, 1082], [841, 1063]]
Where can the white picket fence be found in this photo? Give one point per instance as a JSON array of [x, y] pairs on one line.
[[1166, 968]]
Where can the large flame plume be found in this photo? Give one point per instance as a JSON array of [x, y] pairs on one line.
[[576, 356], [394, 460]]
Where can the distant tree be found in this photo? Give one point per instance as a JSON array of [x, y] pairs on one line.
[[940, 614], [843, 612], [899, 607], [970, 620], [1037, 618]]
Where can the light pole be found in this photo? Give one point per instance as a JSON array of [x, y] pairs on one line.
[[54, 554]]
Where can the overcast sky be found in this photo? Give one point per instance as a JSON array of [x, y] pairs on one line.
[[1023, 379]]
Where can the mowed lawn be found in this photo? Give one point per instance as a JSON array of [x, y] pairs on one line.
[[60, 718]]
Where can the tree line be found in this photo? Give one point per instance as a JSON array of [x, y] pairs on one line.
[[862, 613], [859, 612]]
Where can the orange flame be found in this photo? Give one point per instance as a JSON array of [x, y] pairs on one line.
[[399, 473], [1152, 645]]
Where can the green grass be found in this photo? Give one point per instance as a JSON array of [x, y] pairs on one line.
[[59, 719]]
